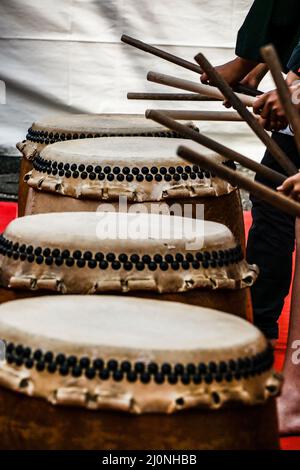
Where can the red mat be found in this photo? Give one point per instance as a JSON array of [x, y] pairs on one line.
[[8, 211]]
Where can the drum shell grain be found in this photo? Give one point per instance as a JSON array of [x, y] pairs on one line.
[[31, 423]]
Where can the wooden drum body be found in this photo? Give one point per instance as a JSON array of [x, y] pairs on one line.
[[174, 377], [147, 255], [64, 127], [83, 175], [33, 424]]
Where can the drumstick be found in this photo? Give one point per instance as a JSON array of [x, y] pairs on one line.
[[193, 86], [239, 106], [178, 61], [189, 133], [169, 97], [202, 115], [235, 178], [271, 58]]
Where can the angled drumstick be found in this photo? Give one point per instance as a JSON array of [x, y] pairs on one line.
[[201, 139], [178, 61], [235, 178], [195, 87], [238, 105], [202, 115], [169, 97], [271, 58]]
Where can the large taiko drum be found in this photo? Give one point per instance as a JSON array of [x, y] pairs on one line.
[[75, 176], [63, 127], [121, 374], [180, 259]]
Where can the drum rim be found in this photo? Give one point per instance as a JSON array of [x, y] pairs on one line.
[[239, 368]]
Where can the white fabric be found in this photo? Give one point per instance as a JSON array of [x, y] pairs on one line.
[[66, 55]]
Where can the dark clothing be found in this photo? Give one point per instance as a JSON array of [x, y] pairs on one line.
[[270, 245], [294, 62], [270, 21], [272, 235]]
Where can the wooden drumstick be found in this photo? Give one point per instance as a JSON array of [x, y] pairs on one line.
[[235, 178], [195, 87], [240, 107], [169, 97], [202, 115], [178, 61], [271, 58], [161, 118]]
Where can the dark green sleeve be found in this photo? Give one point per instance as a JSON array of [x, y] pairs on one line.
[[294, 62], [270, 21], [255, 30]]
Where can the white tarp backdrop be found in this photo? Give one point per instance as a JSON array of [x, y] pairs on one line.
[[66, 55]]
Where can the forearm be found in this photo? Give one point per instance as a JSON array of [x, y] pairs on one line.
[[234, 71], [246, 65], [256, 75]]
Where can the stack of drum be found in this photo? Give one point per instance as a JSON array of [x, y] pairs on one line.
[[125, 292]]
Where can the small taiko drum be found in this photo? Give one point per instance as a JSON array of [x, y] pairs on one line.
[[80, 370], [145, 171], [62, 127], [182, 259]]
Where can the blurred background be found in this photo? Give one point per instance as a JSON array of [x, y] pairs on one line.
[[66, 56]]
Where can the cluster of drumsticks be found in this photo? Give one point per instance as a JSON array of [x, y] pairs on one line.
[[240, 99]]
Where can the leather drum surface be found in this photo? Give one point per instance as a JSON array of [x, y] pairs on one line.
[[185, 376], [94, 253]]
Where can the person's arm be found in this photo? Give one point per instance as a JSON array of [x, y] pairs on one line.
[[269, 106], [268, 21], [255, 31], [256, 75], [247, 51], [234, 71], [294, 63]]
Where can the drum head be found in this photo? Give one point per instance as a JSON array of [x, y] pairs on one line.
[[63, 127], [103, 124], [99, 252], [142, 169]]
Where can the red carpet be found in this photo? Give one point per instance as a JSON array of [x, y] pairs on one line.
[[8, 212]]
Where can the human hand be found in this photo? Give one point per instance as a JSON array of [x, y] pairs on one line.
[[272, 116], [291, 187], [291, 78]]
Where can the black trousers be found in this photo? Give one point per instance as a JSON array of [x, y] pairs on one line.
[[270, 245]]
